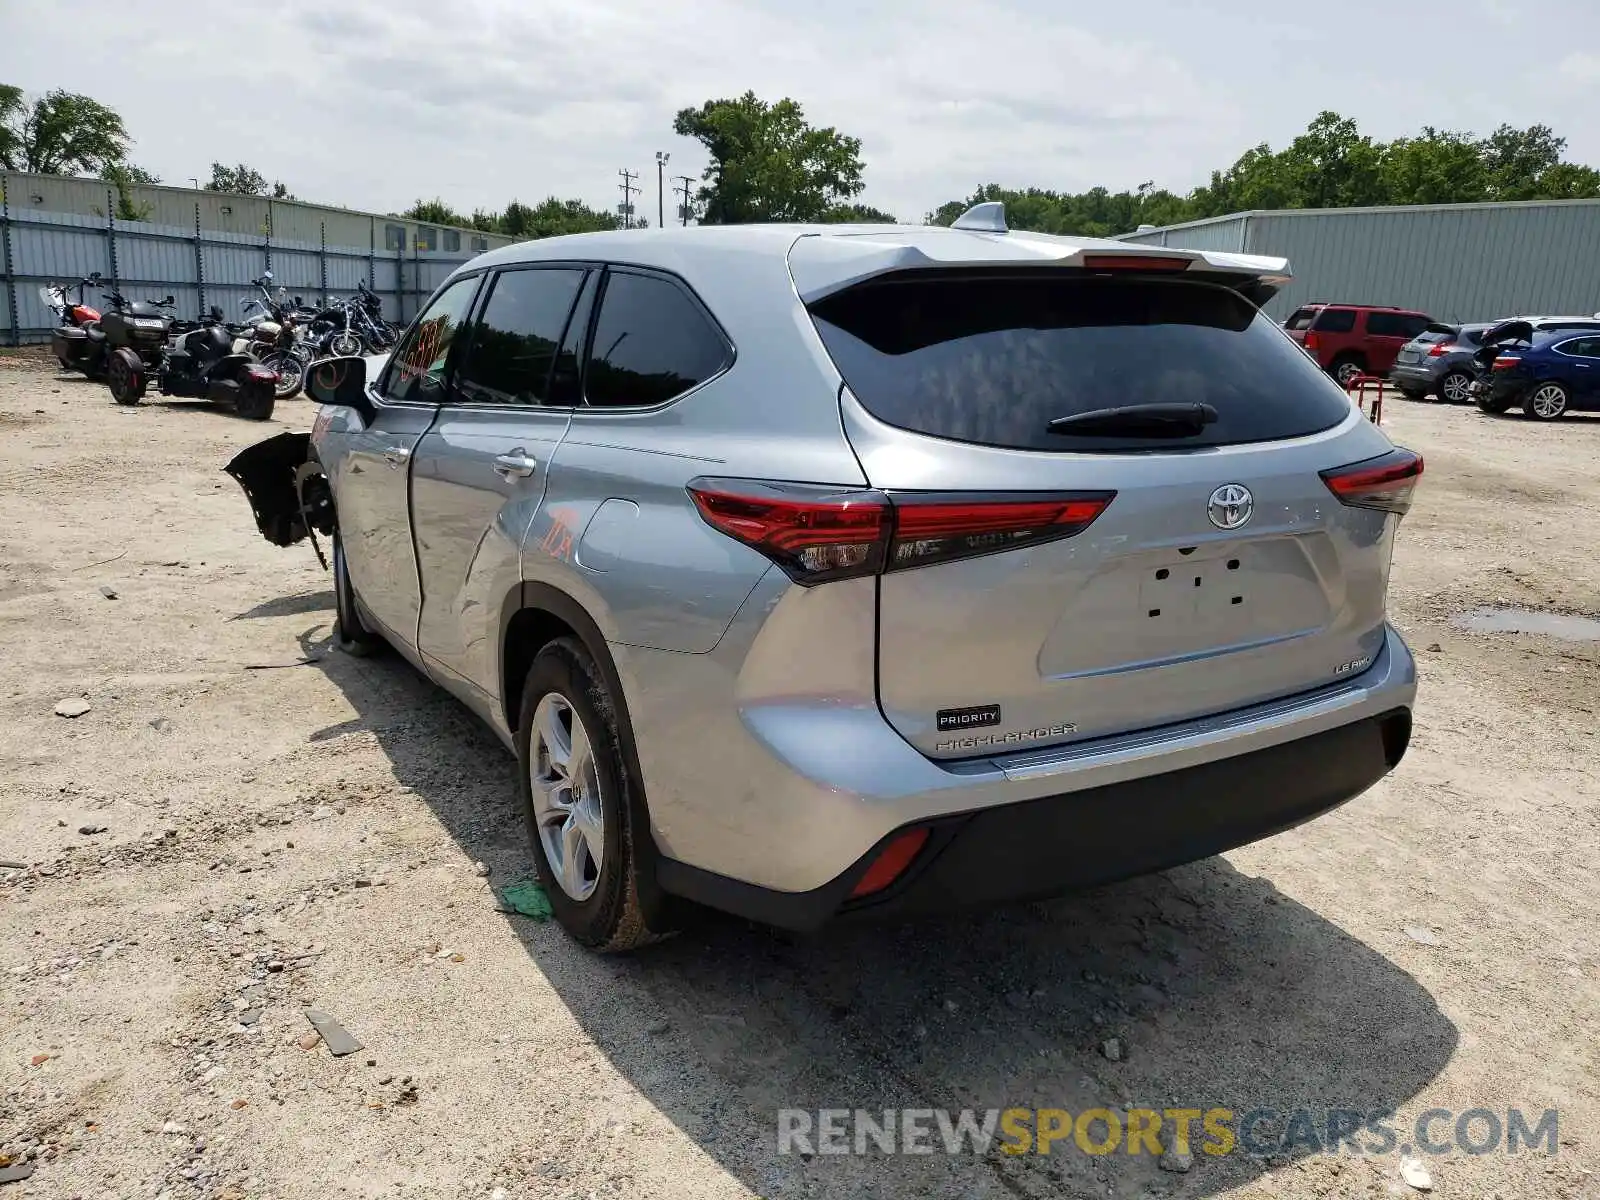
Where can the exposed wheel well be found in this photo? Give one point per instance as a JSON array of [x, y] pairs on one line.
[[529, 631]]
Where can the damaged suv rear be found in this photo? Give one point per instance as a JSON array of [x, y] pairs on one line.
[[823, 572]]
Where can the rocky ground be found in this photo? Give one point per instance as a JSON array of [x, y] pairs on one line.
[[243, 825]]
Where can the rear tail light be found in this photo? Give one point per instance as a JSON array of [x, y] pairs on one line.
[[818, 533], [891, 862], [1312, 342], [1440, 349], [1384, 483], [1505, 362]]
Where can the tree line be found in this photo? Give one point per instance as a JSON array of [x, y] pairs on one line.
[[766, 162]]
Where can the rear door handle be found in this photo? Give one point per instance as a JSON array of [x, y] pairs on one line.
[[515, 465], [396, 456]]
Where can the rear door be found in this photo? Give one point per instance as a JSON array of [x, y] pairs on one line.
[[1387, 333], [481, 471], [372, 465], [1580, 366], [1222, 573]]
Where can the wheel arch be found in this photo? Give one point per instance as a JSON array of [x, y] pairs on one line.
[[534, 615]]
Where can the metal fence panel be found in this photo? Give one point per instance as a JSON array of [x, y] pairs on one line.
[[199, 267]]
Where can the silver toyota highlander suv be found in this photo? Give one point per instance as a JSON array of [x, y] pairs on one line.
[[823, 571]]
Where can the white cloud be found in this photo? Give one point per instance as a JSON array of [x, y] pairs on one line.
[[374, 104]]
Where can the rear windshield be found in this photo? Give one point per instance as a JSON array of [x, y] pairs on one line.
[[993, 361], [1302, 319], [1431, 337]]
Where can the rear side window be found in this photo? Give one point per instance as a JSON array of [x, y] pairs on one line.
[[1335, 320], [1389, 324], [1301, 319], [993, 361], [652, 342], [514, 346]]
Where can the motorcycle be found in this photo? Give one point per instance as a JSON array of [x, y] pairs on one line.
[[201, 364], [138, 327], [271, 336], [77, 340]]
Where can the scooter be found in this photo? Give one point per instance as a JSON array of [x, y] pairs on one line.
[[201, 364]]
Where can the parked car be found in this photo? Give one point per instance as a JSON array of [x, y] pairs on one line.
[[814, 576], [1348, 340], [1438, 362], [1548, 372]]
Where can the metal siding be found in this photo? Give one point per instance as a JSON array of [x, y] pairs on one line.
[[1470, 263], [1223, 233], [153, 259]]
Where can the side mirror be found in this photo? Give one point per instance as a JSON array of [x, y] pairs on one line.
[[343, 382]]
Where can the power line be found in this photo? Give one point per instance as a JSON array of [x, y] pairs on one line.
[[683, 209], [628, 187]]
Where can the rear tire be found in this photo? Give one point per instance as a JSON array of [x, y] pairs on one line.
[[1546, 402], [255, 400], [1456, 387], [125, 376], [291, 373], [567, 713], [1345, 368], [350, 635]]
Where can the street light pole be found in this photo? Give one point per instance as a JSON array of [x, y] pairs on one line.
[[661, 189]]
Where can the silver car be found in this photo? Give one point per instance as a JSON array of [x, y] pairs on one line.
[[824, 572]]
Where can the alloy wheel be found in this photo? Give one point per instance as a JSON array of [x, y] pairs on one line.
[[1549, 401], [1457, 388], [567, 806]]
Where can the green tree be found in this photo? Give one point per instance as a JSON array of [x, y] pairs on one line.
[[124, 177], [243, 180], [435, 212], [60, 133], [1331, 165], [1433, 168], [844, 214], [767, 163], [551, 218]]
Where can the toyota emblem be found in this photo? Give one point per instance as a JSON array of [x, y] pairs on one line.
[[1230, 506]]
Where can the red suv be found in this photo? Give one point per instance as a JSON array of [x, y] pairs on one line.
[[1347, 339]]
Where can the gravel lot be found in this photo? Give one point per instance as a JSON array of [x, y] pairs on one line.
[[274, 834]]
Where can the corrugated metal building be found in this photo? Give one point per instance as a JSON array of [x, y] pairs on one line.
[[256, 216], [1456, 262]]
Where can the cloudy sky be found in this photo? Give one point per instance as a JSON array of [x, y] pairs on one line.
[[373, 105]]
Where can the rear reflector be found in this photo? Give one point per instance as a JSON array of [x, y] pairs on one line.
[[1134, 262], [1386, 482], [819, 533], [891, 863]]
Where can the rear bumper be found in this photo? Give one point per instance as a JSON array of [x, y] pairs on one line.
[[1415, 376], [1056, 844], [814, 794]]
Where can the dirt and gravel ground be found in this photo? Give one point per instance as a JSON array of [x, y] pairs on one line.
[[274, 834]]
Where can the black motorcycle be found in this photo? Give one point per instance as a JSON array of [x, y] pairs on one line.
[[200, 364], [82, 343]]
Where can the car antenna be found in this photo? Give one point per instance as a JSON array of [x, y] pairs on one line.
[[989, 217]]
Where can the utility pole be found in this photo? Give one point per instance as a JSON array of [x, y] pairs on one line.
[[628, 188], [683, 190], [661, 189]]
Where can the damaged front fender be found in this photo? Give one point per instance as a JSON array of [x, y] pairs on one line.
[[286, 487]]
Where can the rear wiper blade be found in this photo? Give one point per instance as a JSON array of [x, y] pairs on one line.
[[1137, 420]]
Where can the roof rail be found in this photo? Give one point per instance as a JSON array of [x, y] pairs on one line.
[[989, 217]]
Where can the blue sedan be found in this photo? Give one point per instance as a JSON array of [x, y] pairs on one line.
[[1549, 375]]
